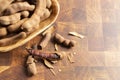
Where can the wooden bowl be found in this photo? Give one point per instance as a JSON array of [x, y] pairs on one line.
[[43, 26]]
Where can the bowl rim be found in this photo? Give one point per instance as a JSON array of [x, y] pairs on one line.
[[34, 34]]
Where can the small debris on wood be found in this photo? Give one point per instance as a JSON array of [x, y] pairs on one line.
[[45, 40], [74, 53], [48, 64], [59, 70], [70, 58], [76, 34]]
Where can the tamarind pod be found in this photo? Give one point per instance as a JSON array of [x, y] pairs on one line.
[[6, 20], [58, 38], [45, 40], [61, 40], [45, 15], [15, 27], [4, 4], [19, 6], [66, 42], [8, 40], [50, 56], [3, 31], [35, 18], [31, 67], [45, 55], [48, 3], [11, 19]]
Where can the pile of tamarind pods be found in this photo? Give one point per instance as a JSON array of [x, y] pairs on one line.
[[19, 18]]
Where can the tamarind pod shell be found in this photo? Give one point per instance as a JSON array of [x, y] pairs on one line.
[[3, 31], [45, 40], [58, 38], [66, 42], [72, 43]]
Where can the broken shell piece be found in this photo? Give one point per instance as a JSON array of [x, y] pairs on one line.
[[56, 47], [48, 64], [76, 34]]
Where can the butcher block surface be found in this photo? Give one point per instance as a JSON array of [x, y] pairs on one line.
[[97, 54]]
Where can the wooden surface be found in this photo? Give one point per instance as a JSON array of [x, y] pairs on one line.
[[98, 54]]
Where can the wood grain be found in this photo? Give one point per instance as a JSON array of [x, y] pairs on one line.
[[97, 55]]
